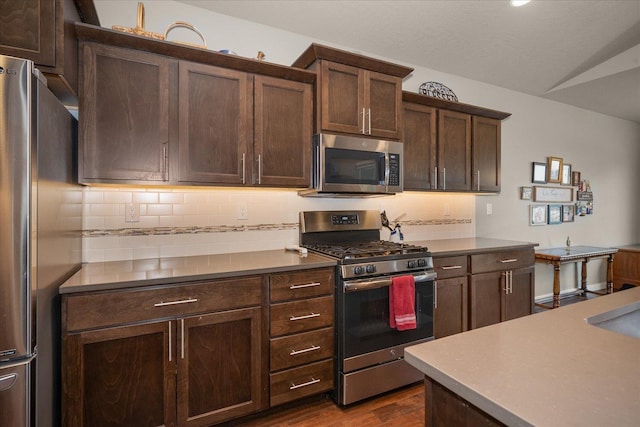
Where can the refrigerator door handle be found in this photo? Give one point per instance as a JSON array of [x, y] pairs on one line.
[[8, 381]]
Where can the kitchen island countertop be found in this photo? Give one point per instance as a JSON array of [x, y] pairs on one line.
[[160, 271], [546, 369]]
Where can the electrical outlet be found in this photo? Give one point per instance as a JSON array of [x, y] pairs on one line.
[[132, 212], [243, 211], [447, 209], [489, 208]]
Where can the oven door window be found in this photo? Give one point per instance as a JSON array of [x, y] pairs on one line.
[[354, 167], [366, 320]]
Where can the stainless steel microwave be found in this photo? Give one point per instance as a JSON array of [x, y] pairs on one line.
[[350, 166]]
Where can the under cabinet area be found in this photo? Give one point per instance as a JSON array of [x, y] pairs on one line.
[[301, 334], [178, 355], [159, 113], [356, 94], [449, 146]]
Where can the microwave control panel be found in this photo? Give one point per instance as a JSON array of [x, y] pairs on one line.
[[394, 169]]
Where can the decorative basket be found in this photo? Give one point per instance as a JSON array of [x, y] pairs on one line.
[[140, 31], [437, 90]]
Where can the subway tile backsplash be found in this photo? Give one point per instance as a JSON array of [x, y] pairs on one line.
[[199, 221]]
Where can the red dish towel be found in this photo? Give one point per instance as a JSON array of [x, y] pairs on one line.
[[402, 303]]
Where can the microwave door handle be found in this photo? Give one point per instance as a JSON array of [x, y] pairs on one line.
[[384, 169]]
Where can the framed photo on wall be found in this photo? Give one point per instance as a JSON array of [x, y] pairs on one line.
[[525, 193], [575, 178], [568, 213], [554, 169], [537, 214], [566, 174], [539, 173], [555, 214]]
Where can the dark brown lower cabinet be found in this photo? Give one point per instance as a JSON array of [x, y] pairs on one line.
[[450, 312], [501, 295], [186, 367]]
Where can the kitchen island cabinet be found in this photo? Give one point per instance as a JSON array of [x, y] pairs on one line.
[[450, 146], [161, 113], [356, 94], [549, 369]]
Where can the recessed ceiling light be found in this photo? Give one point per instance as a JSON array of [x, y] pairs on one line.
[[518, 3]]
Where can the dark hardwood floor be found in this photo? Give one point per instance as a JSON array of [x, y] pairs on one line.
[[401, 408]]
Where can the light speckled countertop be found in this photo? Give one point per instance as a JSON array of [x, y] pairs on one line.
[[146, 272], [546, 369]]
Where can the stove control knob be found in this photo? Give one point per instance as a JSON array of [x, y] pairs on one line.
[[358, 269], [422, 262], [412, 264], [371, 268]]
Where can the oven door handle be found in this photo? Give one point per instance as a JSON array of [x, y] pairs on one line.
[[367, 284]]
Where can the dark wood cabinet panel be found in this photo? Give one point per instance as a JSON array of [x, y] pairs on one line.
[[219, 366], [119, 376], [383, 95], [341, 104], [486, 154], [454, 151], [626, 267], [420, 146], [124, 99], [301, 284], [486, 295], [282, 132], [215, 141], [451, 306], [519, 301]]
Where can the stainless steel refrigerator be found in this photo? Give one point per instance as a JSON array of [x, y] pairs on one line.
[[40, 241]]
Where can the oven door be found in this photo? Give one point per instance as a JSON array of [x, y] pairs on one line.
[[366, 336]]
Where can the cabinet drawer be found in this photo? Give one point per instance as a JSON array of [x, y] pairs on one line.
[[301, 284], [97, 310], [453, 266], [303, 315], [500, 261], [298, 349], [300, 382]]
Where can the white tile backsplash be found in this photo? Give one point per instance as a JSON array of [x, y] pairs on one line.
[[200, 221]]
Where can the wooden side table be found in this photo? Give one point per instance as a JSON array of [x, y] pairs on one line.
[[572, 254]]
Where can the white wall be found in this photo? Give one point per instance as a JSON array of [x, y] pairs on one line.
[[604, 149]]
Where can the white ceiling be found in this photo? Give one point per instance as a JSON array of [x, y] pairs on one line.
[[580, 52]]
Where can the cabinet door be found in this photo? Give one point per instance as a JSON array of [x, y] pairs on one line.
[[124, 102], [220, 366], [451, 306], [29, 29], [120, 377], [383, 100], [342, 104], [419, 141], [214, 125], [486, 154], [283, 124], [454, 151], [520, 299], [486, 299]]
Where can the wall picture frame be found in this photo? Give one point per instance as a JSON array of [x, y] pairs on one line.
[[568, 213], [525, 193], [575, 178], [566, 174], [538, 173], [537, 214], [552, 194], [554, 170], [554, 214]]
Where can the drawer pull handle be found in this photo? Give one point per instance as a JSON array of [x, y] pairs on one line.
[[308, 316], [306, 285], [451, 267], [507, 261], [313, 381], [182, 301], [306, 350]]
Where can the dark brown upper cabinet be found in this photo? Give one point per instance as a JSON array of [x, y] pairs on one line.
[[450, 146], [155, 112], [43, 31], [355, 94]]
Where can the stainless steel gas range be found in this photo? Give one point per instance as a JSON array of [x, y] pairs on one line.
[[369, 351]]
